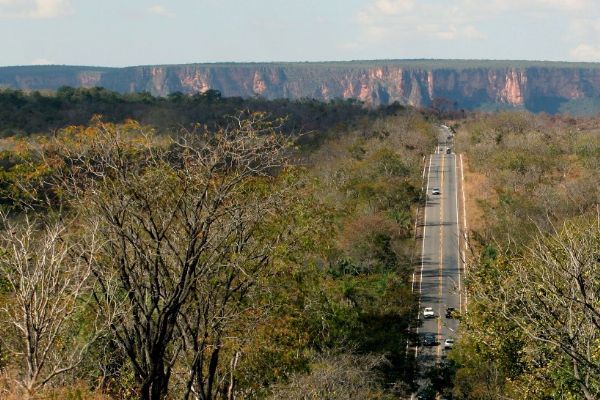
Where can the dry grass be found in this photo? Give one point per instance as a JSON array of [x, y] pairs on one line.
[[477, 187]]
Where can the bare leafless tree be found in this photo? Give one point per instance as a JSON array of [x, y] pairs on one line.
[[552, 294], [336, 377], [221, 305], [185, 226], [48, 276]]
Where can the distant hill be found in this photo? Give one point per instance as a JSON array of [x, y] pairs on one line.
[[464, 84]]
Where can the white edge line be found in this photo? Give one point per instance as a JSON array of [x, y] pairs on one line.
[[466, 231], [458, 260], [423, 251], [412, 286]]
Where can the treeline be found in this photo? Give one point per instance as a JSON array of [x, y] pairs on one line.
[[216, 262], [27, 113], [532, 327]]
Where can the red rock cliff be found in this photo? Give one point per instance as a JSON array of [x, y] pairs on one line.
[[539, 86]]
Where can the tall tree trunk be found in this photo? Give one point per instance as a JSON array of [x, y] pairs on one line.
[[582, 385], [231, 388], [212, 370]]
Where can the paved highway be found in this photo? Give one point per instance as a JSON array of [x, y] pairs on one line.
[[440, 274]]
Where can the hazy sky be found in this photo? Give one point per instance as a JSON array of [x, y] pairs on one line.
[[134, 32]]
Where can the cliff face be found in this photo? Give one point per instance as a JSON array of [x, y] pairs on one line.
[[535, 86]]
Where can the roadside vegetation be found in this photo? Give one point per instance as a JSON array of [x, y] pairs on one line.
[[228, 259], [532, 327]]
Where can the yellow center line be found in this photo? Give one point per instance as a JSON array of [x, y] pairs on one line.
[[441, 264]]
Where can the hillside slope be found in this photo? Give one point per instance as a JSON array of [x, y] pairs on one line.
[[536, 86]]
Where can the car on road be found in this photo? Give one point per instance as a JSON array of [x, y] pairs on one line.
[[435, 191], [428, 313], [448, 150], [429, 340], [450, 312], [448, 344]]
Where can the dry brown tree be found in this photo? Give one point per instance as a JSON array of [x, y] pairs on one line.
[[48, 273], [188, 224], [335, 377]]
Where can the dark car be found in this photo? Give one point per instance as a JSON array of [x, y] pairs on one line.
[[429, 340], [450, 312]]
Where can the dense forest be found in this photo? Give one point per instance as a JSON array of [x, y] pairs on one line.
[[23, 113], [228, 259], [202, 247]]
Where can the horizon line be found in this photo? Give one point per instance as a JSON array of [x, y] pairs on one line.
[[356, 61]]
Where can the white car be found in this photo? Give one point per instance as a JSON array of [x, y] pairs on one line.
[[448, 344], [428, 312], [435, 191]]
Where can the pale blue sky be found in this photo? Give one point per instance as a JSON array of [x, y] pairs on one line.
[[134, 32]]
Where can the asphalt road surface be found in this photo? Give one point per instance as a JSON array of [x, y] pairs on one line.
[[440, 275]]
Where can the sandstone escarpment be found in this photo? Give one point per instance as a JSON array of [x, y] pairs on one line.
[[540, 86]]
